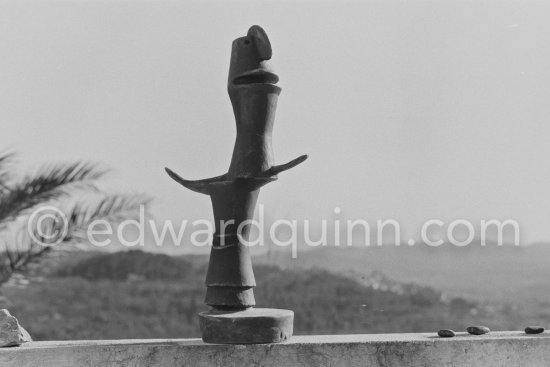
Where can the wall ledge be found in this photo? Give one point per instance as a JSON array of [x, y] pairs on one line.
[[494, 349]]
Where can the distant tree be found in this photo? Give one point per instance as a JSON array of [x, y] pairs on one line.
[[72, 189]]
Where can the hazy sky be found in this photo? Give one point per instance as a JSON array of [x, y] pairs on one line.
[[408, 110]]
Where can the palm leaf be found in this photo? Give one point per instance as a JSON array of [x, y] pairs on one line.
[[110, 207], [5, 162], [24, 250], [49, 183]]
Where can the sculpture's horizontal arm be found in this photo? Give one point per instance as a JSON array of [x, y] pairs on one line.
[[283, 167], [201, 186]]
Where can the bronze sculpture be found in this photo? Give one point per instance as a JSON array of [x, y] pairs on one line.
[[253, 92]]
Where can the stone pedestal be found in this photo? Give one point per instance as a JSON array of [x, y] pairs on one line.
[[250, 326]]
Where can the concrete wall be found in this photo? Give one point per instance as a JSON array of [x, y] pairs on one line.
[[494, 349]]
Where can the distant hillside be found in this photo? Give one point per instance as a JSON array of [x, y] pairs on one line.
[[475, 272], [142, 295], [127, 265]]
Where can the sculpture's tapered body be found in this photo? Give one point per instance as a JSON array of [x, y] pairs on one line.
[[230, 278]]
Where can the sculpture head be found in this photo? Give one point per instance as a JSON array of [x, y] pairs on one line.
[[249, 61]]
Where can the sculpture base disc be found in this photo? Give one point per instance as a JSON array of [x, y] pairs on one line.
[[250, 326]]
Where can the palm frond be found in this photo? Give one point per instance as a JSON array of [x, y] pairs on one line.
[[24, 248], [20, 252], [5, 173], [111, 207], [49, 183]]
